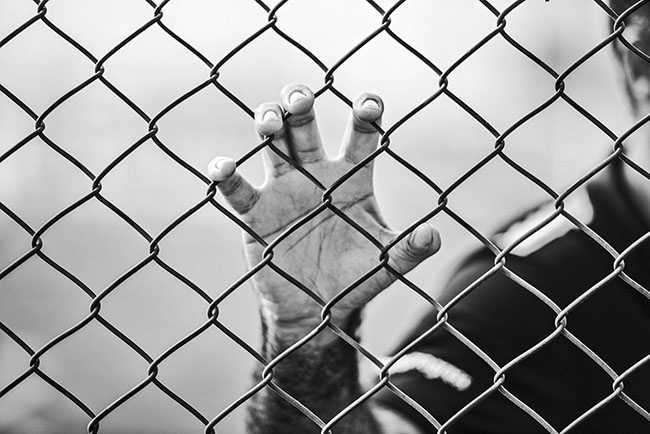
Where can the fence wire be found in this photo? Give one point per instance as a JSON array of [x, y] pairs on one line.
[[212, 320]]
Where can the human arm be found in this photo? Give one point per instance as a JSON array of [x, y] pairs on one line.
[[325, 379], [326, 254]]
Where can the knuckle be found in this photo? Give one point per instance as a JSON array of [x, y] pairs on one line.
[[249, 202], [363, 127], [230, 185], [299, 120], [281, 169], [312, 155]]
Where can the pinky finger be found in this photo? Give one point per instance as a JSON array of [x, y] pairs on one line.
[[239, 193]]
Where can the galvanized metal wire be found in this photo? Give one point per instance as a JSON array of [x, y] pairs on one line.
[[212, 313]]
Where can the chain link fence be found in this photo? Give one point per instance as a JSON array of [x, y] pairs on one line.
[[50, 241]]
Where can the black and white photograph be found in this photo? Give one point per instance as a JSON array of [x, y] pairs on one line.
[[324, 216]]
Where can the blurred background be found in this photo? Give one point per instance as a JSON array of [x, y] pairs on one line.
[[155, 309]]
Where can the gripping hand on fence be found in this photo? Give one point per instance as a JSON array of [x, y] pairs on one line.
[[326, 254], [321, 251]]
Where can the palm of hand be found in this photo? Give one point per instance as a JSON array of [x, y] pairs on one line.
[[325, 253]]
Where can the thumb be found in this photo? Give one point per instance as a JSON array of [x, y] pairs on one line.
[[423, 242]]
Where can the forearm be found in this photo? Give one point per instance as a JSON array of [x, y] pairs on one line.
[[322, 375]]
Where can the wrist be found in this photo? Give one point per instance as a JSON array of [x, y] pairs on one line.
[[283, 332], [322, 377]]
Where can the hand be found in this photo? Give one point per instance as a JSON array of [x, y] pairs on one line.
[[326, 254]]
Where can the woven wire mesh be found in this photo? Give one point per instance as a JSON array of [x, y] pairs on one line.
[[96, 415]]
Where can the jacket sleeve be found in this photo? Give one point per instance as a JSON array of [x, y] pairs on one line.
[[502, 320]]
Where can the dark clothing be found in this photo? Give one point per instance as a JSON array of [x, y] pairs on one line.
[[505, 318]]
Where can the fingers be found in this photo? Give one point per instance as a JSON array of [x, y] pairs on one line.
[[268, 121], [423, 242], [360, 137], [238, 192], [301, 129]]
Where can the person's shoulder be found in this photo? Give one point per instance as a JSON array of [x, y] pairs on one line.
[[538, 228], [492, 310], [539, 247]]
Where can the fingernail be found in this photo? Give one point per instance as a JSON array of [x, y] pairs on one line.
[[370, 104], [296, 96], [220, 163], [270, 116]]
